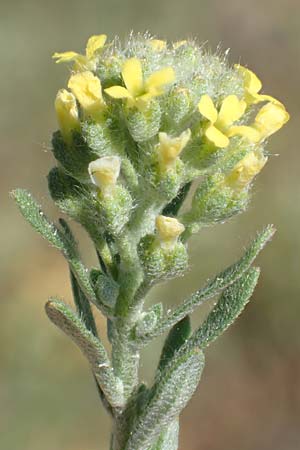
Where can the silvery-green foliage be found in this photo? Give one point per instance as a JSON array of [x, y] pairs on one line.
[[141, 173]]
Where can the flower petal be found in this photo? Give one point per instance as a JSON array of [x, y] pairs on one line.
[[251, 82], [87, 89], [231, 110], [118, 92], [65, 57], [133, 76], [270, 119], [95, 43], [157, 44], [217, 137], [248, 132], [207, 108], [245, 170], [160, 78]]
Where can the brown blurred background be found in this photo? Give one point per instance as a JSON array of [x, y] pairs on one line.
[[249, 397]]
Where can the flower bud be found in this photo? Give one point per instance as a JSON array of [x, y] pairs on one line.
[[169, 229], [270, 119], [143, 125], [169, 148], [67, 114], [245, 170], [87, 89], [163, 256], [104, 173], [157, 44]]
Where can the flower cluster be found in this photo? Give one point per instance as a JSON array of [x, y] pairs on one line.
[[141, 123]]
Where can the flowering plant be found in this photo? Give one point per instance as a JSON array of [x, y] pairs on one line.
[[155, 142]]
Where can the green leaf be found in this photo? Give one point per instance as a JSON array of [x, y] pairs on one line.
[[71, 324], [37, 219], [214, 287], [169, 395], [84, 310], [168, 439], [76, 158], [177, 336], [228, 308], [34, 215]]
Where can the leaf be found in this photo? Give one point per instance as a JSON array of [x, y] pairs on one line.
[[33, 214], [168, 439], [149, 319], [214, 287], [71, 324], [228, 308], [82, 303], [177, 336], [169, 395], [174, 206]]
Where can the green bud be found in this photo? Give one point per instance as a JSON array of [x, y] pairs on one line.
[[106, 289], [143, 125], [214, 202], [164, 256]]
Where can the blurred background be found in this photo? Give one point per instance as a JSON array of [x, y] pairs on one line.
[[249, 397]]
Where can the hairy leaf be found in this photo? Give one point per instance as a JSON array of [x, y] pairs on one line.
[[228, 308], [65, 319], [168, 439], [33, 214], [177, 336], [214, 287], [169, 395]]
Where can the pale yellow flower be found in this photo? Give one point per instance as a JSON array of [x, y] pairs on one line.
[[245, 170], [252, 86], [67, 114], [157, 44], [104, 173], [169, 229], [270, 118], [87, 89], [139, 92], [170, 147], [220, 125], [87, 61]]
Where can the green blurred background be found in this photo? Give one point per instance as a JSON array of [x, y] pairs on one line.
[[249, 397]]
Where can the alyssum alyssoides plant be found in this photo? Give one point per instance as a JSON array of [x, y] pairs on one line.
[[138, 126]]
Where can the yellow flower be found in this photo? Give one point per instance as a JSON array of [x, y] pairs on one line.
[[170, 147], [245, 170], [138, 91], [252, 86], [169, 229], [104, 173], [157, 44], [220, 122], [67, 114], [87, 61], [87, 89], [270, 118]]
